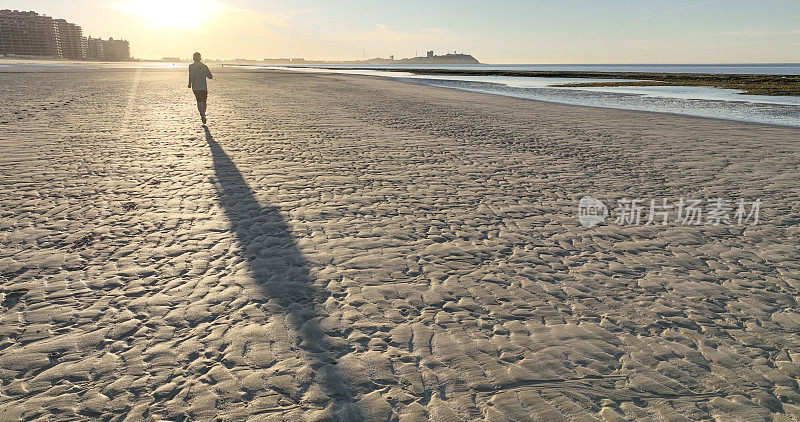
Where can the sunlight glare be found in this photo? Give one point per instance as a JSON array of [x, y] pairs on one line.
[[182, 14]]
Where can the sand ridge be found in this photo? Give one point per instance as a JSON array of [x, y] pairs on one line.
[[357, 248]]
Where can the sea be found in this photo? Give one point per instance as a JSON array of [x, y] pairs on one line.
[[728, 104]]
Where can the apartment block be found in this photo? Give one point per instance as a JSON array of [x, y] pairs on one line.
[[69, 37], [28, 34], [32, 34], [108, 50]]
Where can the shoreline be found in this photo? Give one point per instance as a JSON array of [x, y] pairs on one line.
[[773, 85], [546, 101], [668, 113], [750, 84], [121, 67]]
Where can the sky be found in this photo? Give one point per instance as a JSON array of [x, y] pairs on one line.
[[499, 31]]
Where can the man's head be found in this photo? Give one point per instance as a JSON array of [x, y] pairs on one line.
[[196, 57]]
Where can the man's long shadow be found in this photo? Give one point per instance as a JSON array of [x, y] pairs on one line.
[[277, 264]]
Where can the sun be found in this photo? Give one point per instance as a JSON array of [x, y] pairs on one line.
[[181, 14]]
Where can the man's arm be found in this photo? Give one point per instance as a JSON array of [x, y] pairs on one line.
[[208, 73], [190, 78]]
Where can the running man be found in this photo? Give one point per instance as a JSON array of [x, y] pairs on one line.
[[198, 72]]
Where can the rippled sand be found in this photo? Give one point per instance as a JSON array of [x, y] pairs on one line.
[[357, 248]]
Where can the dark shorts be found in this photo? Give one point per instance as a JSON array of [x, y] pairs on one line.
[[201, 96]]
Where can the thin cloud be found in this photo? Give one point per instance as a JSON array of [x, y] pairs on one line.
[[668, 12]]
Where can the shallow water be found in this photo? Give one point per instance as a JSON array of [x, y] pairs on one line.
[[717, 103], [742, 69]]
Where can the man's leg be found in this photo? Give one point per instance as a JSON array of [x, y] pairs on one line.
[[201, 107], [201, 104]]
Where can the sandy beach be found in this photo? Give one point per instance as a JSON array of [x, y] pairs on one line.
[[342, 247]]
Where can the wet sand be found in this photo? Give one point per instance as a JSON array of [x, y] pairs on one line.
[[342, 247]]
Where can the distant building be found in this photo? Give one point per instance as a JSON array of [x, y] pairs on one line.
[[116, 50], [32, 34], [28, 34], [85, 47], [94, 49], [108, 50], [70, 39], [449, 58], [391, 57]]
